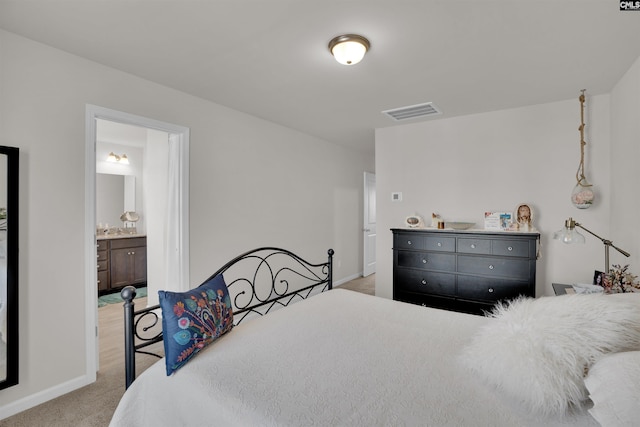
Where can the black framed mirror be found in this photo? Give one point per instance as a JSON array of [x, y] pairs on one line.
[[9, 175]]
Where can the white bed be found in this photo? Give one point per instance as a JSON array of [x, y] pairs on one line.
[[337, 358]]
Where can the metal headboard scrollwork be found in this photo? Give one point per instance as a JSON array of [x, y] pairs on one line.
[[259, 281]]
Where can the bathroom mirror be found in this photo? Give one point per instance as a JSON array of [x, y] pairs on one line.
[[8, 266], [115, 194]]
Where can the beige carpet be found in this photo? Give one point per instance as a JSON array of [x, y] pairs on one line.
[[93, 405], [365, 285]]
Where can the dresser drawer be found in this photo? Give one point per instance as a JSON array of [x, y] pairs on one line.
[[426, 282], [440, 243], [493, 266], [517, 248], [486, 289], [427, 260], [103, 280], [102, 265], [408, 241], [128, 242], [102, 245], [103, 255], [474, 246]]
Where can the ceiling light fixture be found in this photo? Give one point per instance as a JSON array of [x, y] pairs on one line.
[[349, 49]]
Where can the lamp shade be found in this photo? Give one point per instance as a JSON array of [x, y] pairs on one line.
[[349, 49], [568, 234]]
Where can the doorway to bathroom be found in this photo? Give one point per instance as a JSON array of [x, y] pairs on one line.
[[151, 187]]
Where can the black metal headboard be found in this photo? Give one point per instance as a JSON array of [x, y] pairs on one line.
[[258, 281]]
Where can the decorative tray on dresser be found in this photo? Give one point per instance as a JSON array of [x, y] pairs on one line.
[[466, 270]]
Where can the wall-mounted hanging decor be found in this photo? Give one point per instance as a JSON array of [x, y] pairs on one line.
[[582, 195]]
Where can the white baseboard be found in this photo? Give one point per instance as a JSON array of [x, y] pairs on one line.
[[347, 279], [39, 398]]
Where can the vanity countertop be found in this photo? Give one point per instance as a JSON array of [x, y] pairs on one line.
[[118, 236]]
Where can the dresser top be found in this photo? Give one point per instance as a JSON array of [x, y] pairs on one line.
[[469, 231], [119, 236]]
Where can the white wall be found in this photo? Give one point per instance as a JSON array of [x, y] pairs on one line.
[[625, 157], [252, 183], [463, 166]]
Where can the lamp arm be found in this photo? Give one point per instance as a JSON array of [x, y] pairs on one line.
[[622, 251], [605, 241]]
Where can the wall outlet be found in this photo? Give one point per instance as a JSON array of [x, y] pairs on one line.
[[396, 197]]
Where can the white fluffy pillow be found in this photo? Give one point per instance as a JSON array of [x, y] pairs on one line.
[[537, 351], [614, 387]]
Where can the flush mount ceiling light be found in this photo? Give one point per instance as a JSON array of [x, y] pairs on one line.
[[349, 49]]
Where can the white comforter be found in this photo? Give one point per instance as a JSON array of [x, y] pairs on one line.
[[337, 359]]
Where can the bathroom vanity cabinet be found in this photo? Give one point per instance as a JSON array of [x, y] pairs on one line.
[[122, 261]]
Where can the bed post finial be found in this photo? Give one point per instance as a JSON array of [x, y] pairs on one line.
[[330, 262], [128, 294]]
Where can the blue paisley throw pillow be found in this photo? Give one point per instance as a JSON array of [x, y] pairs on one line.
[[194, 319]]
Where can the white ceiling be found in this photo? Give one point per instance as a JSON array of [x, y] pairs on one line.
[[269, 58]]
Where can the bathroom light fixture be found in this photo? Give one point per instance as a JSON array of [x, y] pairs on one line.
[[349, 49], [570, 235], [112, 157]]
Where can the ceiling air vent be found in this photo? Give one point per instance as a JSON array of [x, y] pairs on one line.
[[413, 111]]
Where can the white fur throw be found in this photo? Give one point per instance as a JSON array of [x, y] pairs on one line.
[[537, 351]]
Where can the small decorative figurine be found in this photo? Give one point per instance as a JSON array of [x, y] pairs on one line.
[[524, 217], [435, 218]]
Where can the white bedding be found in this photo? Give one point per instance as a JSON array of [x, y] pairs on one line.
[[338, 358]]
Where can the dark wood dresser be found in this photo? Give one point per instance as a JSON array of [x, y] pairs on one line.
[[466, 271]]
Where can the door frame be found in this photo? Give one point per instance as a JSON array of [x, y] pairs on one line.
[[366, 231], [93, 113]]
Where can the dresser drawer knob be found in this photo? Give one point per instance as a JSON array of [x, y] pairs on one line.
[[424, 282], [439, 244], [408, 242], [510, 248], [424, 260], [473, 246], [490, 266], [490, 290]]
